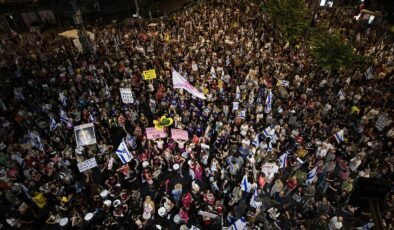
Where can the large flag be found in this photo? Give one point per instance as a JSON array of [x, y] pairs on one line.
[[269, 132], [35, 140], [339, 136], [311, 176], [64, 118], [181, 83], [52, 124], [240, 224], [283, 160], [268, 102], [123, 153], [242, 114], [62, 99], [245, 186], [253, 202]]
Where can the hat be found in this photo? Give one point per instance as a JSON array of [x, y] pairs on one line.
[[116, 203], [104, 193], [107, 203], [88, 216], [63, 222], [145, 164], [175, 166]]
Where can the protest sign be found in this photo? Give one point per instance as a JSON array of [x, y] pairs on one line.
[[84, 134], [88, 164], [149, 74], [382, 122], [153, 133], [269, 169], [127, 95], [179, 134]]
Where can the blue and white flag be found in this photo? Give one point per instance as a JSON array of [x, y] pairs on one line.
[[227, 61], [269, 132], [63, 99], [52, 124], [213, 72], [283, 160], [237, 94], [339, 136], [311, 176], [253, 202], [64, 118], [269, 146], [256, 140], [268, 102], [240, 224], [283, 83], [245, 186], [123, 153], [35, 140], [2, 105], [242, 114], [235, 105], [368, 74], [18, 94], [341, 95], [91, 118]]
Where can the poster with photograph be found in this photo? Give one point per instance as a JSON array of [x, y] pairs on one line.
[[84, 134]]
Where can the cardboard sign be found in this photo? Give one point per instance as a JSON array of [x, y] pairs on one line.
[[84, 134], [382, 122], [179, 134], [86, 165], [149, 74], [207, 214], [195, 67], [127, 95], [153, 133], [269, 169]]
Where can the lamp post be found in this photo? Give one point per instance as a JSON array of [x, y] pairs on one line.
[[83, 37]]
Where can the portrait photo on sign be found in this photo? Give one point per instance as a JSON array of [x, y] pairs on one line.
[[84, 134]]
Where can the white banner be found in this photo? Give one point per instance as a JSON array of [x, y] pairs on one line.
[[127, 95], [88, 164], [181, 83]]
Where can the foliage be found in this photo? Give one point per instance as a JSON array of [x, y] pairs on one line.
[[288, 16], [330, 51]]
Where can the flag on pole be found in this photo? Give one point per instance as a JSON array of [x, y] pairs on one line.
[[283, 160], [311, 176], [253, 202], [52, 124], [339, 136], [269, 146], [213, 72], [256, 140], [35, 140], [64, 118], [181, 83], [268, 102], [245, 186], [123, 153], [283, 83], [240, 224], [269, 132], [63, 99]]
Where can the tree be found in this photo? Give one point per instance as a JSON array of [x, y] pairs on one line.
[[288, 16], [330, 51]]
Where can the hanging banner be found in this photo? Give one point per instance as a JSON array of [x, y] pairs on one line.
[[153, 133], [86, 165], [179, 134], [84, 134], [149, 74], [127, 95]]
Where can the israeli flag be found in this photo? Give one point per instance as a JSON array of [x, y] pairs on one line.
[[341, 95], [253, 202], [245, 186], [269, 146], [368, 74], [228, 61], [2, 105], [35, 140], [256, 140], [18, 94], [268, 102], [237, 94], [213, 72], [240, 224], [311, 176], [91, 118], [283, 160], [123, 153], [52, 124], [269, 132], [339, 136], [242, 114], [283, 83], [63, 117], [62, 99]]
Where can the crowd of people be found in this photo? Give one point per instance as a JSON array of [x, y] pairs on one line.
[[277, 143]]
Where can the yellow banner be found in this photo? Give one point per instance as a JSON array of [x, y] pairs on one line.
[[149, 74]]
